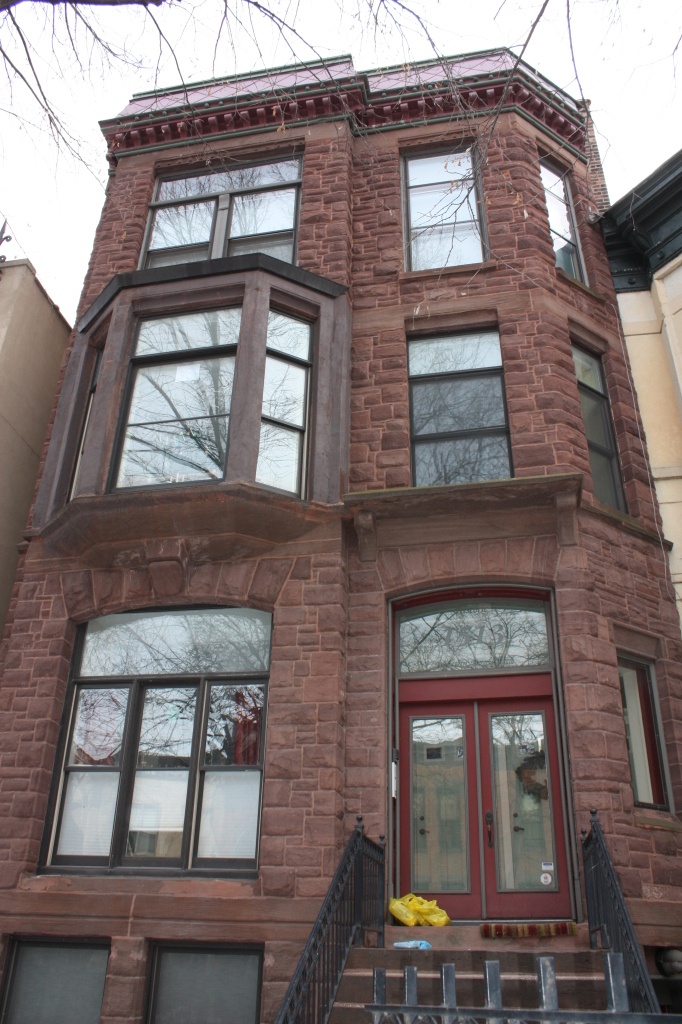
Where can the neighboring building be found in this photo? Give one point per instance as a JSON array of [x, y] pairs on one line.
[[33, 339], [643, 234], [345, 510]]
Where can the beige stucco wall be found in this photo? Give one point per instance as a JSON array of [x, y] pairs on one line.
[[33, 337], [652, 322]]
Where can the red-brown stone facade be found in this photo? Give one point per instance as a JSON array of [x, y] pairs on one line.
[[330, 692]]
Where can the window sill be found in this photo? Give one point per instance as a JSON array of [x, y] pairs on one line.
[[653, 819], [563, 276], [593, 505], [464, 269], [244, 874]]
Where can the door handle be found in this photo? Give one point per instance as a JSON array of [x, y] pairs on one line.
[[519, 828], [489, 823], [423, 831]]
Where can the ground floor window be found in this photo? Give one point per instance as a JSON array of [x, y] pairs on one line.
[[213, 985], [55, 983], [642, 734], [163, 760]]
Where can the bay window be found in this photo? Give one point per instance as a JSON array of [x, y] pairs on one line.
[[164, 757], [226, 212]]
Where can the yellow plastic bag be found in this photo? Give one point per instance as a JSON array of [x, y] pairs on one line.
[[412, 910]]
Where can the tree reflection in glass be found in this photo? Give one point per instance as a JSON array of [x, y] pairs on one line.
[[444, 229], [98, 729], [234, 725], [472, 635], [194, 642], [179, 412]]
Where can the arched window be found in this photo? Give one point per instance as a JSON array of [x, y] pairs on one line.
[[163, 757]]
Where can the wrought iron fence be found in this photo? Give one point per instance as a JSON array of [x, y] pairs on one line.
[[609, 918], [548, 1012], [354, 904]]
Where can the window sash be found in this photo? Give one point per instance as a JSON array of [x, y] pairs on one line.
[[604, 446], [467, 216], [196, 770], [500, 430], [642, 731], [220, 235], [572, 243], [160, 1001]]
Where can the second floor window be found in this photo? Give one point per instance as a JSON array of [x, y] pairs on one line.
[[561, 221], [164, 754], [177, 422], [442, 212], [601, 443], [225, 213], [458, 410]]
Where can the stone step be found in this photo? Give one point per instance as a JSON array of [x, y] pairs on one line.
[[580, 979]]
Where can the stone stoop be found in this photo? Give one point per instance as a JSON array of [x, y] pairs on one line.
[[579, 970]]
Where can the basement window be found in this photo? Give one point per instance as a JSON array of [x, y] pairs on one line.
[[164, 756], [55, 983], [458, 412], [444, 227], [213, 985], [229, 212]]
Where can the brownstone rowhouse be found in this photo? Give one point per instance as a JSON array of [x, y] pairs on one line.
[[345, 509]]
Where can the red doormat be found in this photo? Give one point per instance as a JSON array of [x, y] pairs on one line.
[[528, 931]]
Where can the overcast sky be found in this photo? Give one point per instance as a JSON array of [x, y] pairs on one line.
[[52, 202]]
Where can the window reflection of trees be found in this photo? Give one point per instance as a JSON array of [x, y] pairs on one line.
[[454, 355], [464, 460], [234, 725], [191, 642], [474, 636], [167, 727], [177, 425], [98, 729], [457, 404]]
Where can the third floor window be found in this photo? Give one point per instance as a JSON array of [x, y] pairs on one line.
[[442, 212], [601, 442], [225, 213], [561, 221]]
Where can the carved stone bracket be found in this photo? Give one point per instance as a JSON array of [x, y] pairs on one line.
[[566, 505], [365, 527]]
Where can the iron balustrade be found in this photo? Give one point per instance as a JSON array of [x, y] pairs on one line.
[[609, 918], [548, 1012], [354, 904]]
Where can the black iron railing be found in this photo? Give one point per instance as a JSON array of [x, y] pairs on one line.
[[354, 904], [609, 918], [548, 1012]]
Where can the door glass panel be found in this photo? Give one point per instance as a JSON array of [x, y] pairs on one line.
[[524, 846], [439, 805]]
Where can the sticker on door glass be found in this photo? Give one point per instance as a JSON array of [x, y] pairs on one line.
[[546, 878], [548, 865]]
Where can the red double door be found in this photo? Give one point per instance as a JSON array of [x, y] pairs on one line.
[[481, 826]]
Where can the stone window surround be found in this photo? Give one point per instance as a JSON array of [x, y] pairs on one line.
[[255, 281]]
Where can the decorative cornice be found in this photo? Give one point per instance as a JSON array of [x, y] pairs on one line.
[[459, 88], [643, 230]]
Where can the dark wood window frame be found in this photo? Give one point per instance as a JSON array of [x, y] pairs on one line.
[[459, 375], [219, 237], [458, 146], [117, 862], [200, 947], [652, 728], [613, 454]]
